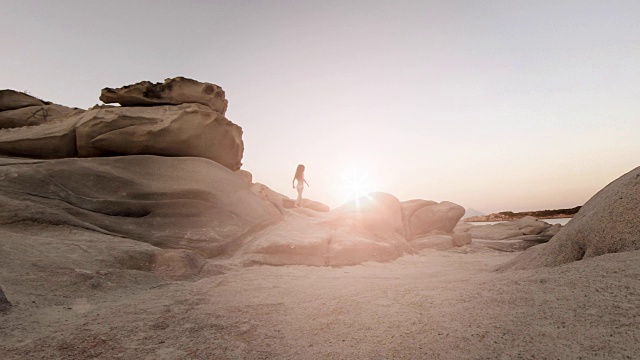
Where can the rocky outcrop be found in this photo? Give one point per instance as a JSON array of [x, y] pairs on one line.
[[434, 241], [366, 230], [51, 140], [509, 229], [182, 130], [35, 115], [429, 217], [608, 223], [12, 100], [173, 91], [379, 212], [179, 203]]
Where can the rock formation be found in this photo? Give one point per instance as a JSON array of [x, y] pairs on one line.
[[423, 217], [164, 169], [359, 231], [180, 203], [12, 100], [509, 229], [173, 91], [182, 130], [193, 126], [608, 223]]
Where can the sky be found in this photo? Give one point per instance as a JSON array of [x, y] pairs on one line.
[[494, 105]]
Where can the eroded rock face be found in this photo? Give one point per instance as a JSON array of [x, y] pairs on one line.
[[179, 203], [182, 130], [608, 223], [35, 115], [173, 91], [12, 100]]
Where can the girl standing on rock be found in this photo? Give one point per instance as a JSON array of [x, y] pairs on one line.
[[299, 176]]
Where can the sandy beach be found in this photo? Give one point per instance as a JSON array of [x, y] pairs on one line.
[[435, 305]]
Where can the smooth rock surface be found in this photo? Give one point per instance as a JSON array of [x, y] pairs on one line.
[[12, 100], [461, 239], [180, 203], [436, 242], [378, 210], [440, 217], [528, 225], [182, 130], [173, 91], [608, 223]]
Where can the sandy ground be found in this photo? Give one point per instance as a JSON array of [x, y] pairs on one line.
[[434, 305]]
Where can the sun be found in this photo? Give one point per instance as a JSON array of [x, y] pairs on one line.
[[355, 184]]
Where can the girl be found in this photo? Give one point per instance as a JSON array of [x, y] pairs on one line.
[[299, 176]]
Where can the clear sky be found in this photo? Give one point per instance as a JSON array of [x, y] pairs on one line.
[[495, 105]]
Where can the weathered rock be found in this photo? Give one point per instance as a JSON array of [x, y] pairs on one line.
[[180, 203], [182, 130], [436, 242], [381, 210], [5, 305], [35, 115], [51, 140], [441, 217], [246, 176], [308, 237], [315, 205], [553, 230], [528, 225], [410, 207], [354, 233], [461, 239], [12, 100], [462, 227], [275, 199], [608, 223], [173, 91]]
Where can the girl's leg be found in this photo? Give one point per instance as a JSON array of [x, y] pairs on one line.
[[299, 200]]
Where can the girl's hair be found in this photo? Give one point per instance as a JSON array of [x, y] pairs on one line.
[[299, 172]]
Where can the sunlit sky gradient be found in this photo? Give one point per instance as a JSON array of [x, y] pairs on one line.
[[494, 105]]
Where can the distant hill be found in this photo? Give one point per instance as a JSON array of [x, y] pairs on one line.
[[541, 214], [472, 212]]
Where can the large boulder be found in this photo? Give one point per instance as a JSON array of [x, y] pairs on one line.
[[182, 130], [12, 100], [378, 211], [173, 91], [439, 217], [179, 203], [608, 223]]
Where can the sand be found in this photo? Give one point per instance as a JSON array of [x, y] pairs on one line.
[[435, 305]]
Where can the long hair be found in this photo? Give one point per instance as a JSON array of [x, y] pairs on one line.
[[299, 173]]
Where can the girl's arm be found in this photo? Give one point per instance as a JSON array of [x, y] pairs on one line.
[[305, 181], [293, 183]]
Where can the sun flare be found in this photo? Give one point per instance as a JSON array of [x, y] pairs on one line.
[[355, 184]]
